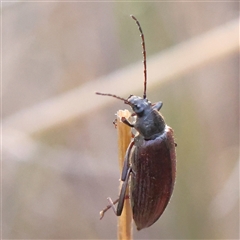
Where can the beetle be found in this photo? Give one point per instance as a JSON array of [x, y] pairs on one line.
[[150, 160]]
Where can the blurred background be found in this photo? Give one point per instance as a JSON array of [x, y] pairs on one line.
[[59, 160]]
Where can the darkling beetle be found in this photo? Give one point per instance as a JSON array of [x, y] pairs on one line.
[[150, 160]]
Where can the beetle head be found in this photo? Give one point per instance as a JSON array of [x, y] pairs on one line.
[[139, 105]]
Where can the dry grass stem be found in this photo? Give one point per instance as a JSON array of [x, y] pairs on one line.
[[124, 138]]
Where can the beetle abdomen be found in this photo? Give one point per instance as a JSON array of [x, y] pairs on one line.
[[152, 181]]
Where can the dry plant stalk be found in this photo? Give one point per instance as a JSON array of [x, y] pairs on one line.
[[124, 138]]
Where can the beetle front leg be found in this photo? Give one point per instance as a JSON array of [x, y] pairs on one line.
[[124, 120]]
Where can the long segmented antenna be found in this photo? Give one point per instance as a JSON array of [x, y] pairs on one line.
[[115, 96], [144, 57]]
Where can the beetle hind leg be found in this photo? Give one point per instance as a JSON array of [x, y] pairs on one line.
[[120, 200], [112, 203], [122, 196]]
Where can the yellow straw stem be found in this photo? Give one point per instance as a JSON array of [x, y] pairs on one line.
[[124, 138]]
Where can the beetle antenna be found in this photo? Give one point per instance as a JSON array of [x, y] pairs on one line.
[[115, 96], [144, 57]]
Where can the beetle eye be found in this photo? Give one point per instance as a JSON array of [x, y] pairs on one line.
[[138, 108]]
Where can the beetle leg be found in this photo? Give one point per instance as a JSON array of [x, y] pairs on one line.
[[157, 105], [126, 161], [122, 197], [124, 120], [122, 194], [124, 178], [109, 206]]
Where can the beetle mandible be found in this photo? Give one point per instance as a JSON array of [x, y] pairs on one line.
[[150, 160]]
